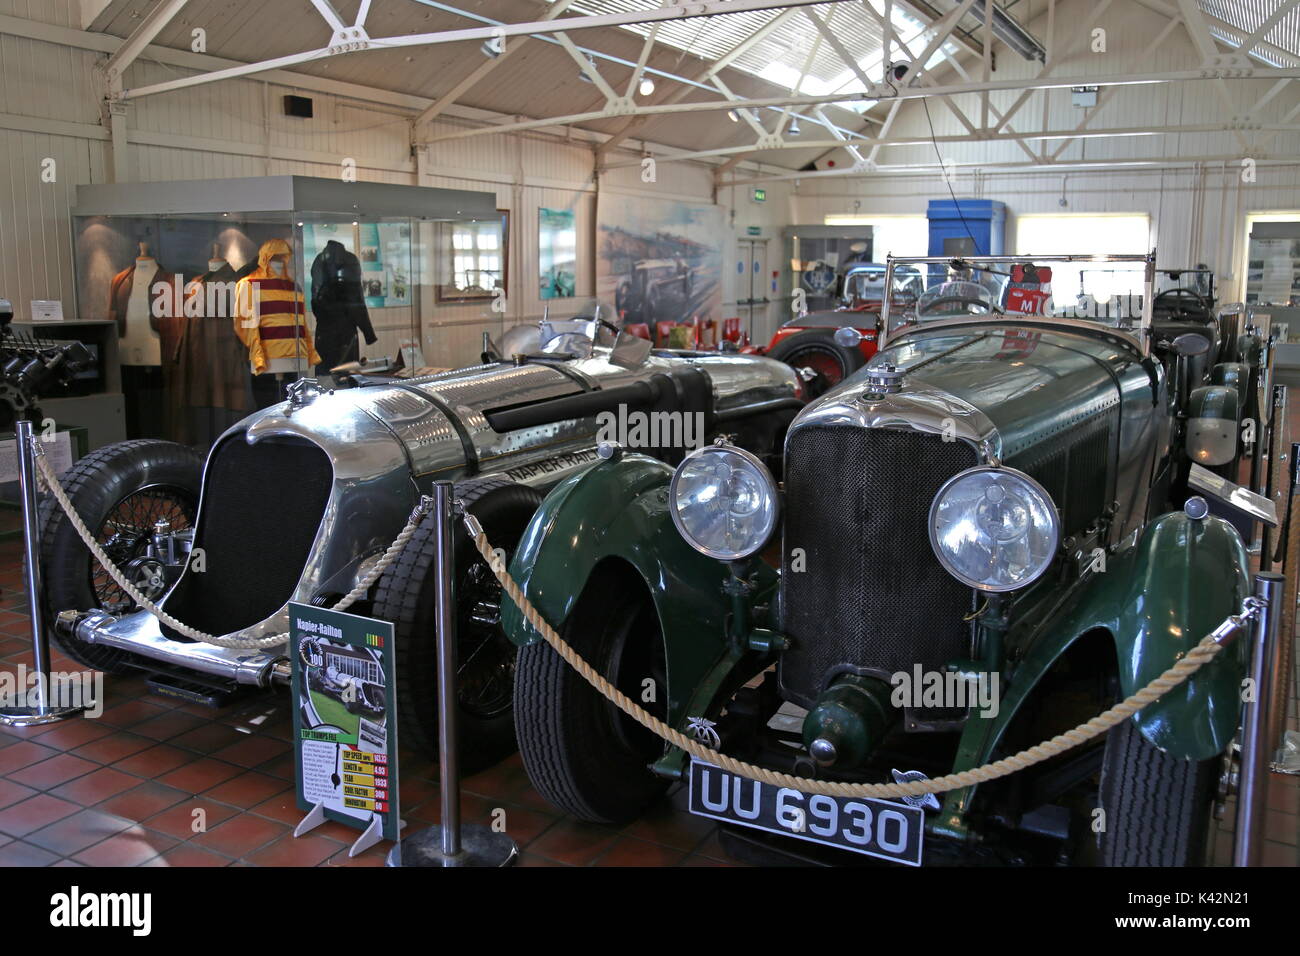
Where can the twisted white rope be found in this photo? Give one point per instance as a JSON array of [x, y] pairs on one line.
[[1196, 658], [47, 477]]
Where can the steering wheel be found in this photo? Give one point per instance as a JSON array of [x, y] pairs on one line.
[[1183, 293], [959, 300]]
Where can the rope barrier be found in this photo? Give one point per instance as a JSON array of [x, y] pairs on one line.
[[1195, 659], [51, 482]]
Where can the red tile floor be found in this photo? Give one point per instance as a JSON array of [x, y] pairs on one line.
[[131, 787]]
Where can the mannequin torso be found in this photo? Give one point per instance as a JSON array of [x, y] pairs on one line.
[[141, 345]]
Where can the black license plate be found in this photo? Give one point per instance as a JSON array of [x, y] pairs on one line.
[[879, 828]]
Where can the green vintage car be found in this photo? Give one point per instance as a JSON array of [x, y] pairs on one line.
[[983, 538]]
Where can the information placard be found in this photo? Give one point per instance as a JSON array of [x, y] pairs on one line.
[[345, 717]]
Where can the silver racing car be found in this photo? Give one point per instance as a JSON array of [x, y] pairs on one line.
[[298, 501]]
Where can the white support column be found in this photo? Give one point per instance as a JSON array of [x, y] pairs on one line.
[[113, 115]]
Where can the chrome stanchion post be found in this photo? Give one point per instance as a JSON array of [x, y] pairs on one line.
[[1277, 405], [1256, 748], [450, 843], [41, 712]]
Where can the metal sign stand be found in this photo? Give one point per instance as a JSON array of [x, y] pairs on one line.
[[41, 712], [451, 843]]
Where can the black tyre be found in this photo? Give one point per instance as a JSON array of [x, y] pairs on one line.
[[120, 491], [1157, 807], [816, 351], [583, 754], [485, 658]]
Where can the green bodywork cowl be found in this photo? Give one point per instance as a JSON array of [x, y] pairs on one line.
[[1085, 414], [618, 511]]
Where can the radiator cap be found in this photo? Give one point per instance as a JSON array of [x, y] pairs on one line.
[[885, 378]]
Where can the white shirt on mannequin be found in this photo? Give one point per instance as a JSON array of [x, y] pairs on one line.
[[141, 344]]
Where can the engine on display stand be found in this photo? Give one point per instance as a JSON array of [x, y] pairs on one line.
[[32, 367]]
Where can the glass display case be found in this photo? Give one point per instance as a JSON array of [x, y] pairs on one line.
[[225, 291], [819, 258]]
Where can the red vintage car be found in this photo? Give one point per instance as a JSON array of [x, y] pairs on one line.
[[807, 342]]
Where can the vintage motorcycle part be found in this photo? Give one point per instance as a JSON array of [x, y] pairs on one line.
[[724, 502], [995, 529]]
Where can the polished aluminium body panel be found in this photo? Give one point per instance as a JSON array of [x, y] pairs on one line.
[[387, 442]]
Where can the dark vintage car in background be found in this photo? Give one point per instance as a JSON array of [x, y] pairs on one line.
[[657, 290], [1000, 500], [298, 501], [807, 341]]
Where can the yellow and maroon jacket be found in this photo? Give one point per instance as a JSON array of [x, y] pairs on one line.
[[270, 316]]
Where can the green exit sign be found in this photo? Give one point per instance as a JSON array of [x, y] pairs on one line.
[[760, 195], [754, 230]]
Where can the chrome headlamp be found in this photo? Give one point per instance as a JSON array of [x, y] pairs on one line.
[[995, 529], [724, 502]]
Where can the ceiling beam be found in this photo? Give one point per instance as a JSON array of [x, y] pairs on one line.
[[1269, 23], [1265, 52], [1125, 132], [1109, 92], [631, 125], [942, 31], [326, 10], [925, 169], [1199, 29], [834, 43], [646, 47], [927, 12], [666, 109], [153, 24], [677, 11], [588, 68]]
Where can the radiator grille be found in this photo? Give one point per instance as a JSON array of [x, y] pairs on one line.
[[872, 597], [261, 508]]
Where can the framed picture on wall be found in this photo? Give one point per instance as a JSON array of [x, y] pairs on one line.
[[473, 259], [557, 253]]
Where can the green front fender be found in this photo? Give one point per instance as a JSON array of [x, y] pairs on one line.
[[618, 510], [1157, 600], [1180, 582]]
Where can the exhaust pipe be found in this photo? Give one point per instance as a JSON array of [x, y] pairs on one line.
[[139, 634]]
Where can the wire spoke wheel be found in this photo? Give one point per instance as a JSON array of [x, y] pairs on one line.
[[825, 366], [485, 667], [126, 532]]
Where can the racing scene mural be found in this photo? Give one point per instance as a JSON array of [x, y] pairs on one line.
[[659, 262]]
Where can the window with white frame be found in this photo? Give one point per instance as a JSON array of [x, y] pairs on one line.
[[1088, 234], [476, 256]]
